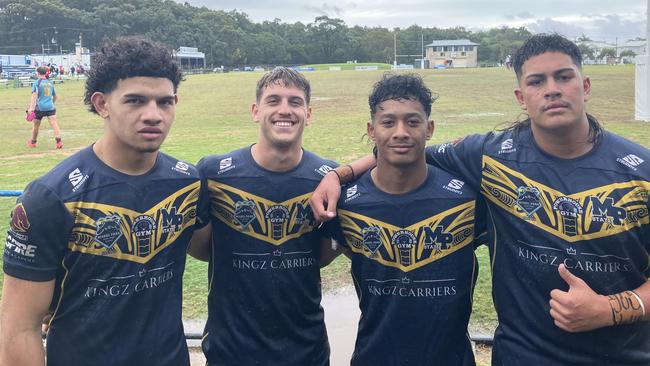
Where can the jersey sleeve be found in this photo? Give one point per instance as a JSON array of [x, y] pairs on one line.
[[35, 87], [480, 223], [38, 235], [463, 158], [333, 229]]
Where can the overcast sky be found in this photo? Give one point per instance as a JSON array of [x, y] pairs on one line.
[[598, 19]]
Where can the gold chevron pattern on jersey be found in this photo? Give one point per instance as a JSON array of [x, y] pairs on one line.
[[124, 234], [598, 212], [272, 222], [412, 247]]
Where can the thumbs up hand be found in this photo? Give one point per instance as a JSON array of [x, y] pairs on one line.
[[579, 309]]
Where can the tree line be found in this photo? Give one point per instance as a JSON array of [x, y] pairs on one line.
[[226, 37]]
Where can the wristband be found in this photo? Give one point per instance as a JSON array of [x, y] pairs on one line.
[[642, 304], [351, 172], [337, 174], [627, 307]]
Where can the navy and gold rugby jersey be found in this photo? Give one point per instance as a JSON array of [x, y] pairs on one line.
[[264, 302], [115, 244], [414, 270], [590, 213]]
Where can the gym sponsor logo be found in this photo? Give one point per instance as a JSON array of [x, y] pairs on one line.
[[573, 259], [77, 178], [119, 286], [275, 260], [225, 165], [569, 210], [410, 288], [277, 215], [455, 186], [324, 169], [144, 229], [631, 161], [181, 167], [507, 147], [351, 193]]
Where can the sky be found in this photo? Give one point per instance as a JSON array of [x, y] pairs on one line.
[[604, 20]]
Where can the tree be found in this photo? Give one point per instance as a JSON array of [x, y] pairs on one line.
[[587, 51], [607, 53]]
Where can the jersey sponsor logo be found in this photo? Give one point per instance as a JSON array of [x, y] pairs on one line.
[[455, 186], [441, 148], [606, 211], [408, 248], [263, 219], [143, 280], [225, 165], [19, 221], [556, 253], [406, 287], [109, 230], [594, 213], [528, 200], [16, 248], [274, 260], [351, 193], [76, 178], [371, 238], [323, 169], [181, 167], [124, 234], [631, 161], [507, 147], [245, 213], [569, 210]]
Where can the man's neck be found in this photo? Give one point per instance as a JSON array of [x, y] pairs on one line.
[[124, 160], [276, 159], [566, 143], [399, 179]]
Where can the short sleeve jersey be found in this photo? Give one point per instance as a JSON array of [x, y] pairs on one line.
[[115, 245], [414, 270], [45, 90], [589, 213], [264, 302]]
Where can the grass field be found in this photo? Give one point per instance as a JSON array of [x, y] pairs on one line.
[[214, 117]]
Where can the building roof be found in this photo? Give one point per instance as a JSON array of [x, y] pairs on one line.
[[452, 42]]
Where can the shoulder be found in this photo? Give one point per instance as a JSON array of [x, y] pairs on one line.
[[626, 153], [176, 166], [449, 184], [314, 163], [221, 163], [69, 173]]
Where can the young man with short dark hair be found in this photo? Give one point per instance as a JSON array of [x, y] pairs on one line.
[[409, 231], [265, 249], [100, 240]]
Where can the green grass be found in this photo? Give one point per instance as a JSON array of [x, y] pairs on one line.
[[214, 117]]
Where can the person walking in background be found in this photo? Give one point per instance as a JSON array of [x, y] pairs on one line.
[[42, 104]]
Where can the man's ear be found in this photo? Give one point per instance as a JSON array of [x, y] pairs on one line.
[[254, 112], [431, 126], [100, 103], [519, 95]]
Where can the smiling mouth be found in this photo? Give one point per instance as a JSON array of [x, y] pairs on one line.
[[283, 123]]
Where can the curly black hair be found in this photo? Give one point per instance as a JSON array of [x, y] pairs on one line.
[[542, 43], [129, 57], [400, 86]]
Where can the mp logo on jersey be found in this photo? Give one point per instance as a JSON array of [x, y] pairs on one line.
[[109, 230], [631, 161], [528, 200], [605, 211], [244, 213]]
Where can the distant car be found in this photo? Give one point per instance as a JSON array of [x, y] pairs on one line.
[[248, 68], [258, 68], [236, 69]]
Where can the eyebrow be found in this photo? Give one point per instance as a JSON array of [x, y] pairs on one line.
[[136, 95], [541, 74]]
